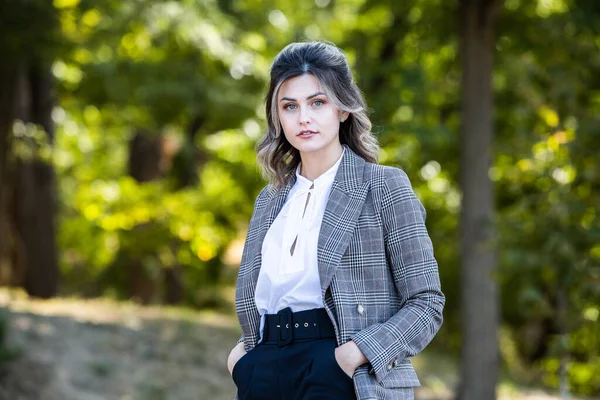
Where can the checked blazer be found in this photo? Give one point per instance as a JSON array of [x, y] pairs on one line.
[[379, 278]]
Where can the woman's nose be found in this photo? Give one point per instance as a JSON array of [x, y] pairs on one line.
[[304, 116]]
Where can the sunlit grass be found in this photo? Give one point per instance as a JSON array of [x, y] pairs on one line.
[[107, 310]]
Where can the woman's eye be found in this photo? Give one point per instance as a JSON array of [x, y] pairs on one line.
[[290, 107], [318, 103]]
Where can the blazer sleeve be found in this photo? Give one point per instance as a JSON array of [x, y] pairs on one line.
[[415, 275]]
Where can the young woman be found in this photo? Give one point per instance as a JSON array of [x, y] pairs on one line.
[[338, 285]]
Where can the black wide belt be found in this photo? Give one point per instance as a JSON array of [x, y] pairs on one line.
[[285, 326]]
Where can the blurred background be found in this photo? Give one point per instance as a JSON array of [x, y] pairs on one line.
[[128, 177]]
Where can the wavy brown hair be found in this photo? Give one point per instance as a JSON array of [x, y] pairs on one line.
[[276, 156]]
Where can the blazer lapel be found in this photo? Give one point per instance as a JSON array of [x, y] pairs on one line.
[[266, 220], [344, 206]]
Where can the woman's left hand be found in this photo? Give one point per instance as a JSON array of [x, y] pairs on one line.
[[349, 357]]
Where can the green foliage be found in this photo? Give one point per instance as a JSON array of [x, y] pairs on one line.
[[548, 183], [113, 221]]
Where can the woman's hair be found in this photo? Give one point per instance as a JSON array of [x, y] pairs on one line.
[[276, 156]]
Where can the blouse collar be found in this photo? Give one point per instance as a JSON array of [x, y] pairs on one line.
[[324, 180]]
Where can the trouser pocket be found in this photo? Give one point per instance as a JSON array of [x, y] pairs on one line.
[[242, 375]]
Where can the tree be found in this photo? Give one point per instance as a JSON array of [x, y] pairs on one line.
[[7, 80], [34, 201], [480, 298], [27, 206]]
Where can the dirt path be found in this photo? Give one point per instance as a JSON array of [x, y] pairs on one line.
[[96, 350], [104, 350]]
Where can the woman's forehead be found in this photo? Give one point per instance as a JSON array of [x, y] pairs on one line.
[[300, 87]]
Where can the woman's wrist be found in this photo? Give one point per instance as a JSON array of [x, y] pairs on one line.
[[351, 355], [358, 358]]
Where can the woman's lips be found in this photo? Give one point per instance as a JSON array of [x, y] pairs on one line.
[[306, 135]]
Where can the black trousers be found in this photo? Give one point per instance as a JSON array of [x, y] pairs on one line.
[[306, 369]]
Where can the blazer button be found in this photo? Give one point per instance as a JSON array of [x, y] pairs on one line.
[[360, 309], [389, 367], [395, 363]]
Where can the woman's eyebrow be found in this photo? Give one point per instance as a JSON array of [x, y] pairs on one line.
[[308, 98]]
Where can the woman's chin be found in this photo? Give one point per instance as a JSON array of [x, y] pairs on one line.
[[304, 146]]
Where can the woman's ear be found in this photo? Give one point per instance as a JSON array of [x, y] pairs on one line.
[[344, 116]]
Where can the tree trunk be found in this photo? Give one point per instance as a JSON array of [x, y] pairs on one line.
[[7, 89], [34, 189], [144, 166], [562, 319], [173, 285], [145, 157], [480, 297]]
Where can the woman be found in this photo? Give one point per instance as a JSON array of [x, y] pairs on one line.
[[338, 285]]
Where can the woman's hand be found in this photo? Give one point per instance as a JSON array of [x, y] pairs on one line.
[[234, 356], [349, 357]]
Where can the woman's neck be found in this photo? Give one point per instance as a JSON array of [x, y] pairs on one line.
[[314, 164]]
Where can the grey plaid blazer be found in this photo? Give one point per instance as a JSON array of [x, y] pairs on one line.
[[379, 278]]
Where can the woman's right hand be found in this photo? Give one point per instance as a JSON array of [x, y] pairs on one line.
[[234, 356]]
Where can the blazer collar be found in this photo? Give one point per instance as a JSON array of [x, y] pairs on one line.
[[348, 178]]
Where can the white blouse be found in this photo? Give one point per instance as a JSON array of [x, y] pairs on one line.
[[289, 274]]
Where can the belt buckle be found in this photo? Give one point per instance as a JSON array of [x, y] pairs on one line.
[[286, 328]]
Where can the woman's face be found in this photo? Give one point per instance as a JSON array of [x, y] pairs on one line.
[[311, 123]]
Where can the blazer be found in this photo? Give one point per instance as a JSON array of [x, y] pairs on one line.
[[379, 278]]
